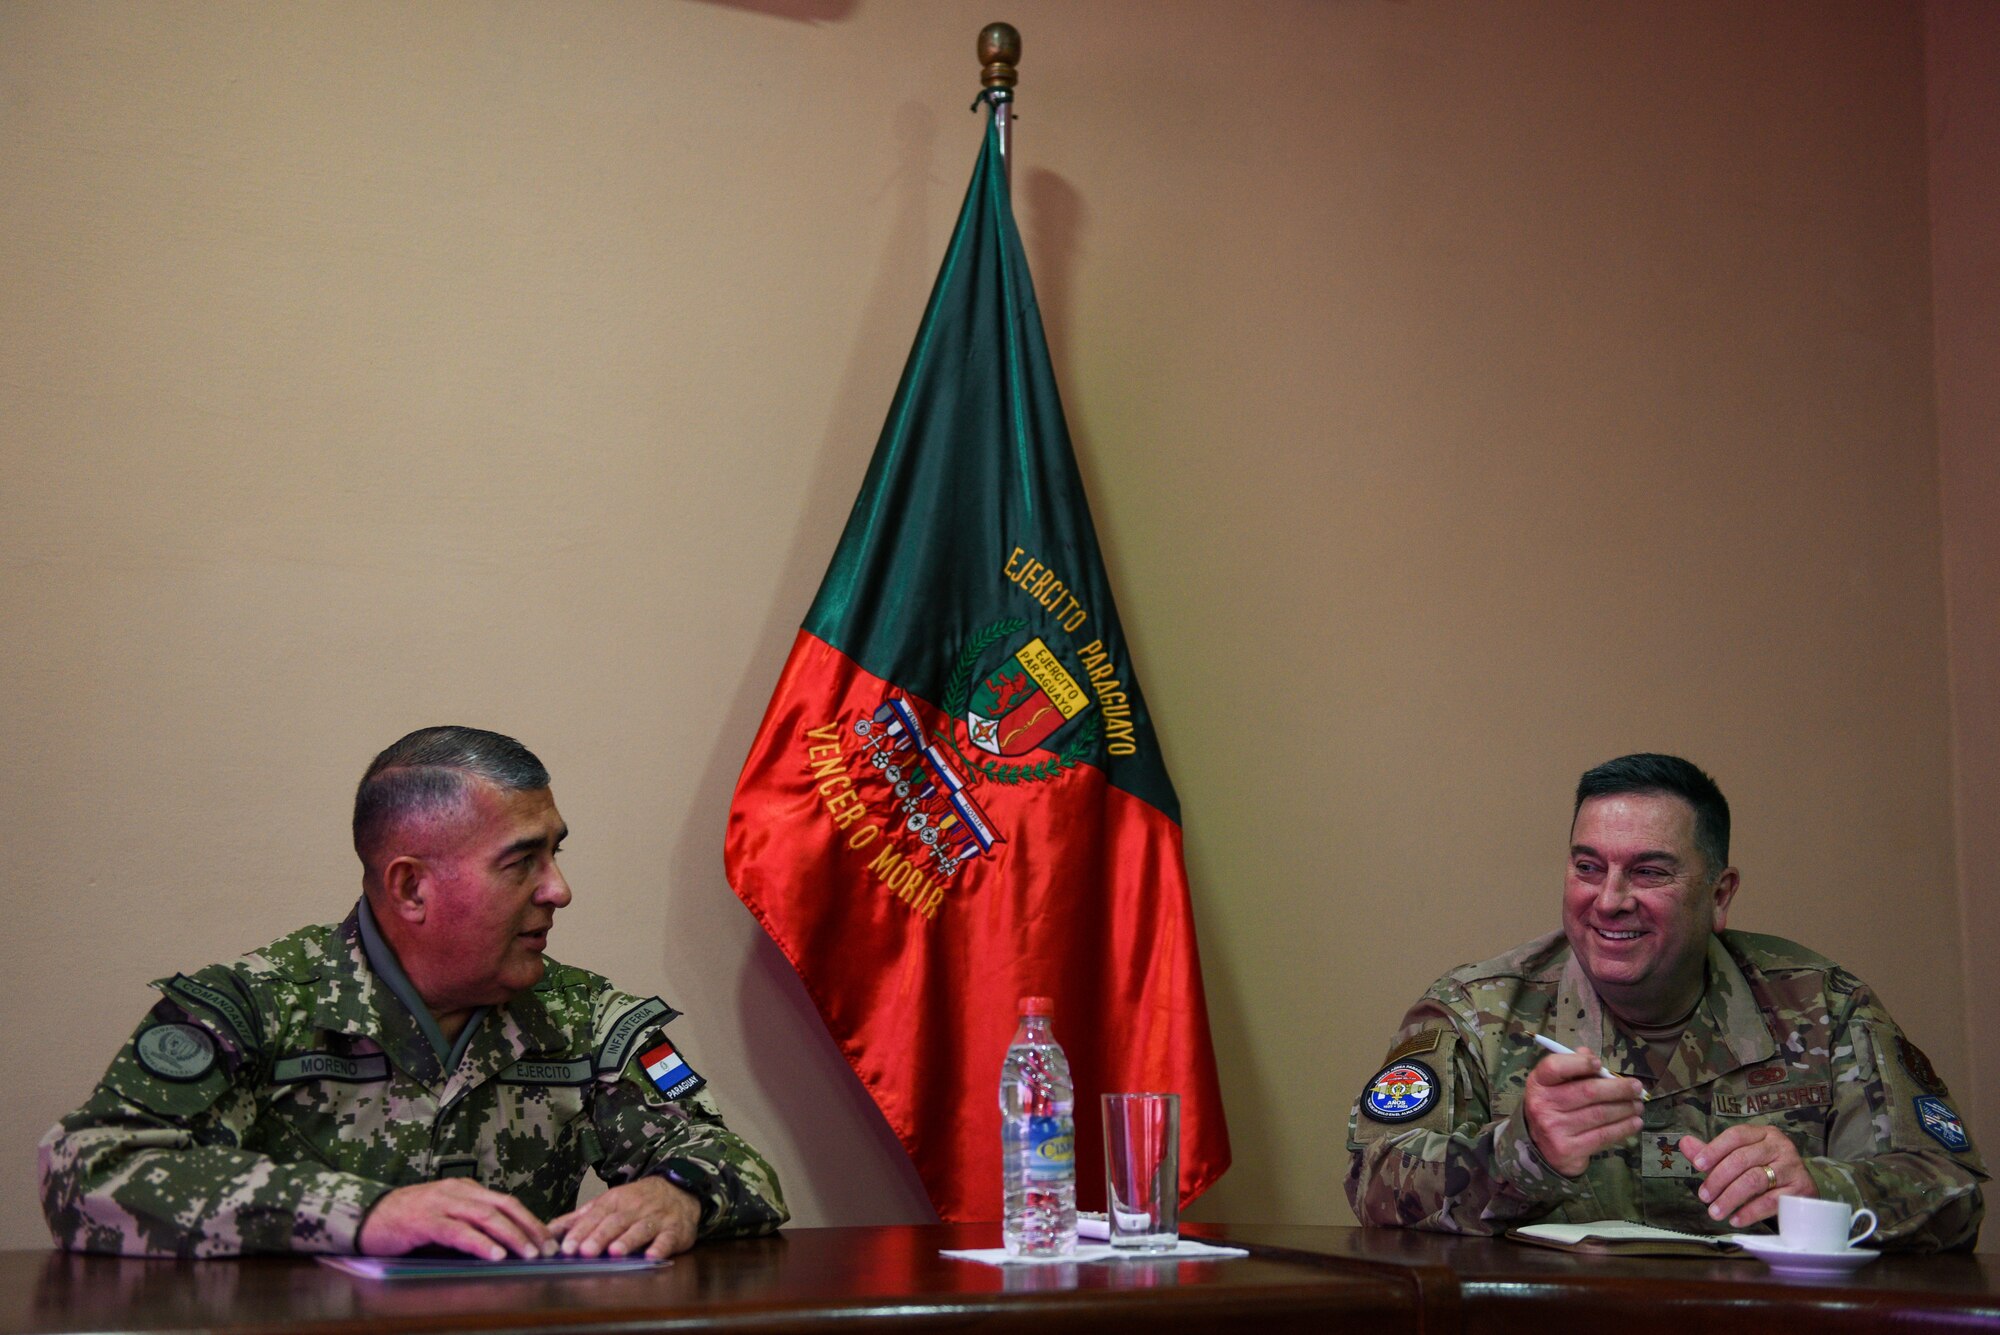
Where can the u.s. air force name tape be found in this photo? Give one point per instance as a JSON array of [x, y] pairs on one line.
[[547, 1071], [669, 1071], [329, 1066], [625, 1031], [220, 1004], [1402, 1091], [177, 1052]]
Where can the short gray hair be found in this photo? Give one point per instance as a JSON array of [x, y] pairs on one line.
[[430, 772]]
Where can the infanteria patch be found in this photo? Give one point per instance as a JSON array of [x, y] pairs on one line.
[[178, 1052], [1402, 1091], [1942, 1124], [625, 1031], [669, 1071]]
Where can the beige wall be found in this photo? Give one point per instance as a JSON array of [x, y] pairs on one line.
[[1963, 46], [1468, 393]]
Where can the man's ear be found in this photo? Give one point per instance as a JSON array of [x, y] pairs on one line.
[[406, 887], [1725, 890]]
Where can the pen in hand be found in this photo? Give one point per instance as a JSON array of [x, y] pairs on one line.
[[1548, 1044]]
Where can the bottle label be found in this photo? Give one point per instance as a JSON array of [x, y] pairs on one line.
[[1051, 1151]]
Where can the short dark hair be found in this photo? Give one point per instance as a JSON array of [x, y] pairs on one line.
[[430, 772], [1647, 772]]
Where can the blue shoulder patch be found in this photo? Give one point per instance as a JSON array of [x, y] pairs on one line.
[[1942, 1124]]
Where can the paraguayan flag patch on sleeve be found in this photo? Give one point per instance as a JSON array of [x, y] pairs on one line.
[[669, 1071]]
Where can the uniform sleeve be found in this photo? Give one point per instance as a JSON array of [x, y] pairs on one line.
[[1449, 1165], [641, 1132], [153, 1163], [1897, 1144]]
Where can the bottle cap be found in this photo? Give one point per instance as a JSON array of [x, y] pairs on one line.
[[1038, 1006]]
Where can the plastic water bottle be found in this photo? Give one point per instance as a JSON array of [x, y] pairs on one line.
[[1037, 1139]]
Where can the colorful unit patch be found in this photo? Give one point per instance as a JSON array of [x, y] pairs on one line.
[[1942, 1124], [669, 1072], [1401, 1092]]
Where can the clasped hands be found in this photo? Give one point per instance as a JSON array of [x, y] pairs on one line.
[[1573, 1112], [650, 1216]]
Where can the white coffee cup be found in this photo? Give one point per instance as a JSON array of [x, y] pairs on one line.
[[1809, 1224]]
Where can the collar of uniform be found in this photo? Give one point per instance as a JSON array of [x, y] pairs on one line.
[[353, 1000], [1728, 1031], [1578, 1019], [510, 1032]]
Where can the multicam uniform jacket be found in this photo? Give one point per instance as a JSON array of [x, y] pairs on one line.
[[1782, 1037], [266, 1105]]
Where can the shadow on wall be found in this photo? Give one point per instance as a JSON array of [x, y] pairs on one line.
[[799, 11], [824, 1104], [846, 1159], [1051, 214]]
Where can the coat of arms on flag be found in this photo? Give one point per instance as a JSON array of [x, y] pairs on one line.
[[1020, 703]]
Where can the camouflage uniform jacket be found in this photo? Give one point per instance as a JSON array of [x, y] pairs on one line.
[[266, 1105], [1782, 1037]]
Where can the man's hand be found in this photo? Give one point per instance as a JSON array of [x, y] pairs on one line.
[[1744, 1171], [651, 1215], [1573, 1112], [456, 1212]]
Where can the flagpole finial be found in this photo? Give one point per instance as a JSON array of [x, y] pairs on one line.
[[999, 53]]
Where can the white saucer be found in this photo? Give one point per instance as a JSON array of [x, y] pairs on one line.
[[1772, 1251]]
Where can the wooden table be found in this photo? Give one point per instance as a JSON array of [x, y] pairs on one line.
[[1298, 1278], [1491, 1285], [810, 1279]]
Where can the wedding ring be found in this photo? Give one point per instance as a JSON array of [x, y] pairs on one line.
[[1770, 1177]]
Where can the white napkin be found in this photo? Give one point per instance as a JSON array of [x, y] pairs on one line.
[[1187, 1249]]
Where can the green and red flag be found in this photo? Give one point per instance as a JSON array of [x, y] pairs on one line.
[[956, 798]]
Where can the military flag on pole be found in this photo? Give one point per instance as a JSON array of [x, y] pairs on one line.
[[956, 797]]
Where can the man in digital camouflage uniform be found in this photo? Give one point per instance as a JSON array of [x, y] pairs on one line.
[[419, 1074], [1748, 1068]]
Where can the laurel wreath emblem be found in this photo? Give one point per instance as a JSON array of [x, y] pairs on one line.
[[958, 693]]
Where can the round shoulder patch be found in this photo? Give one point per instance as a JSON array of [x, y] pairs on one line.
[[175, 1051], [1400, 1092]]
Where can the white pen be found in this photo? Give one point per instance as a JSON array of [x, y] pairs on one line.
[[1549, 1044]]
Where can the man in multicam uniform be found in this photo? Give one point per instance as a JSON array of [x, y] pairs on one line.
[[417, 1075], [1762, 1069]]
